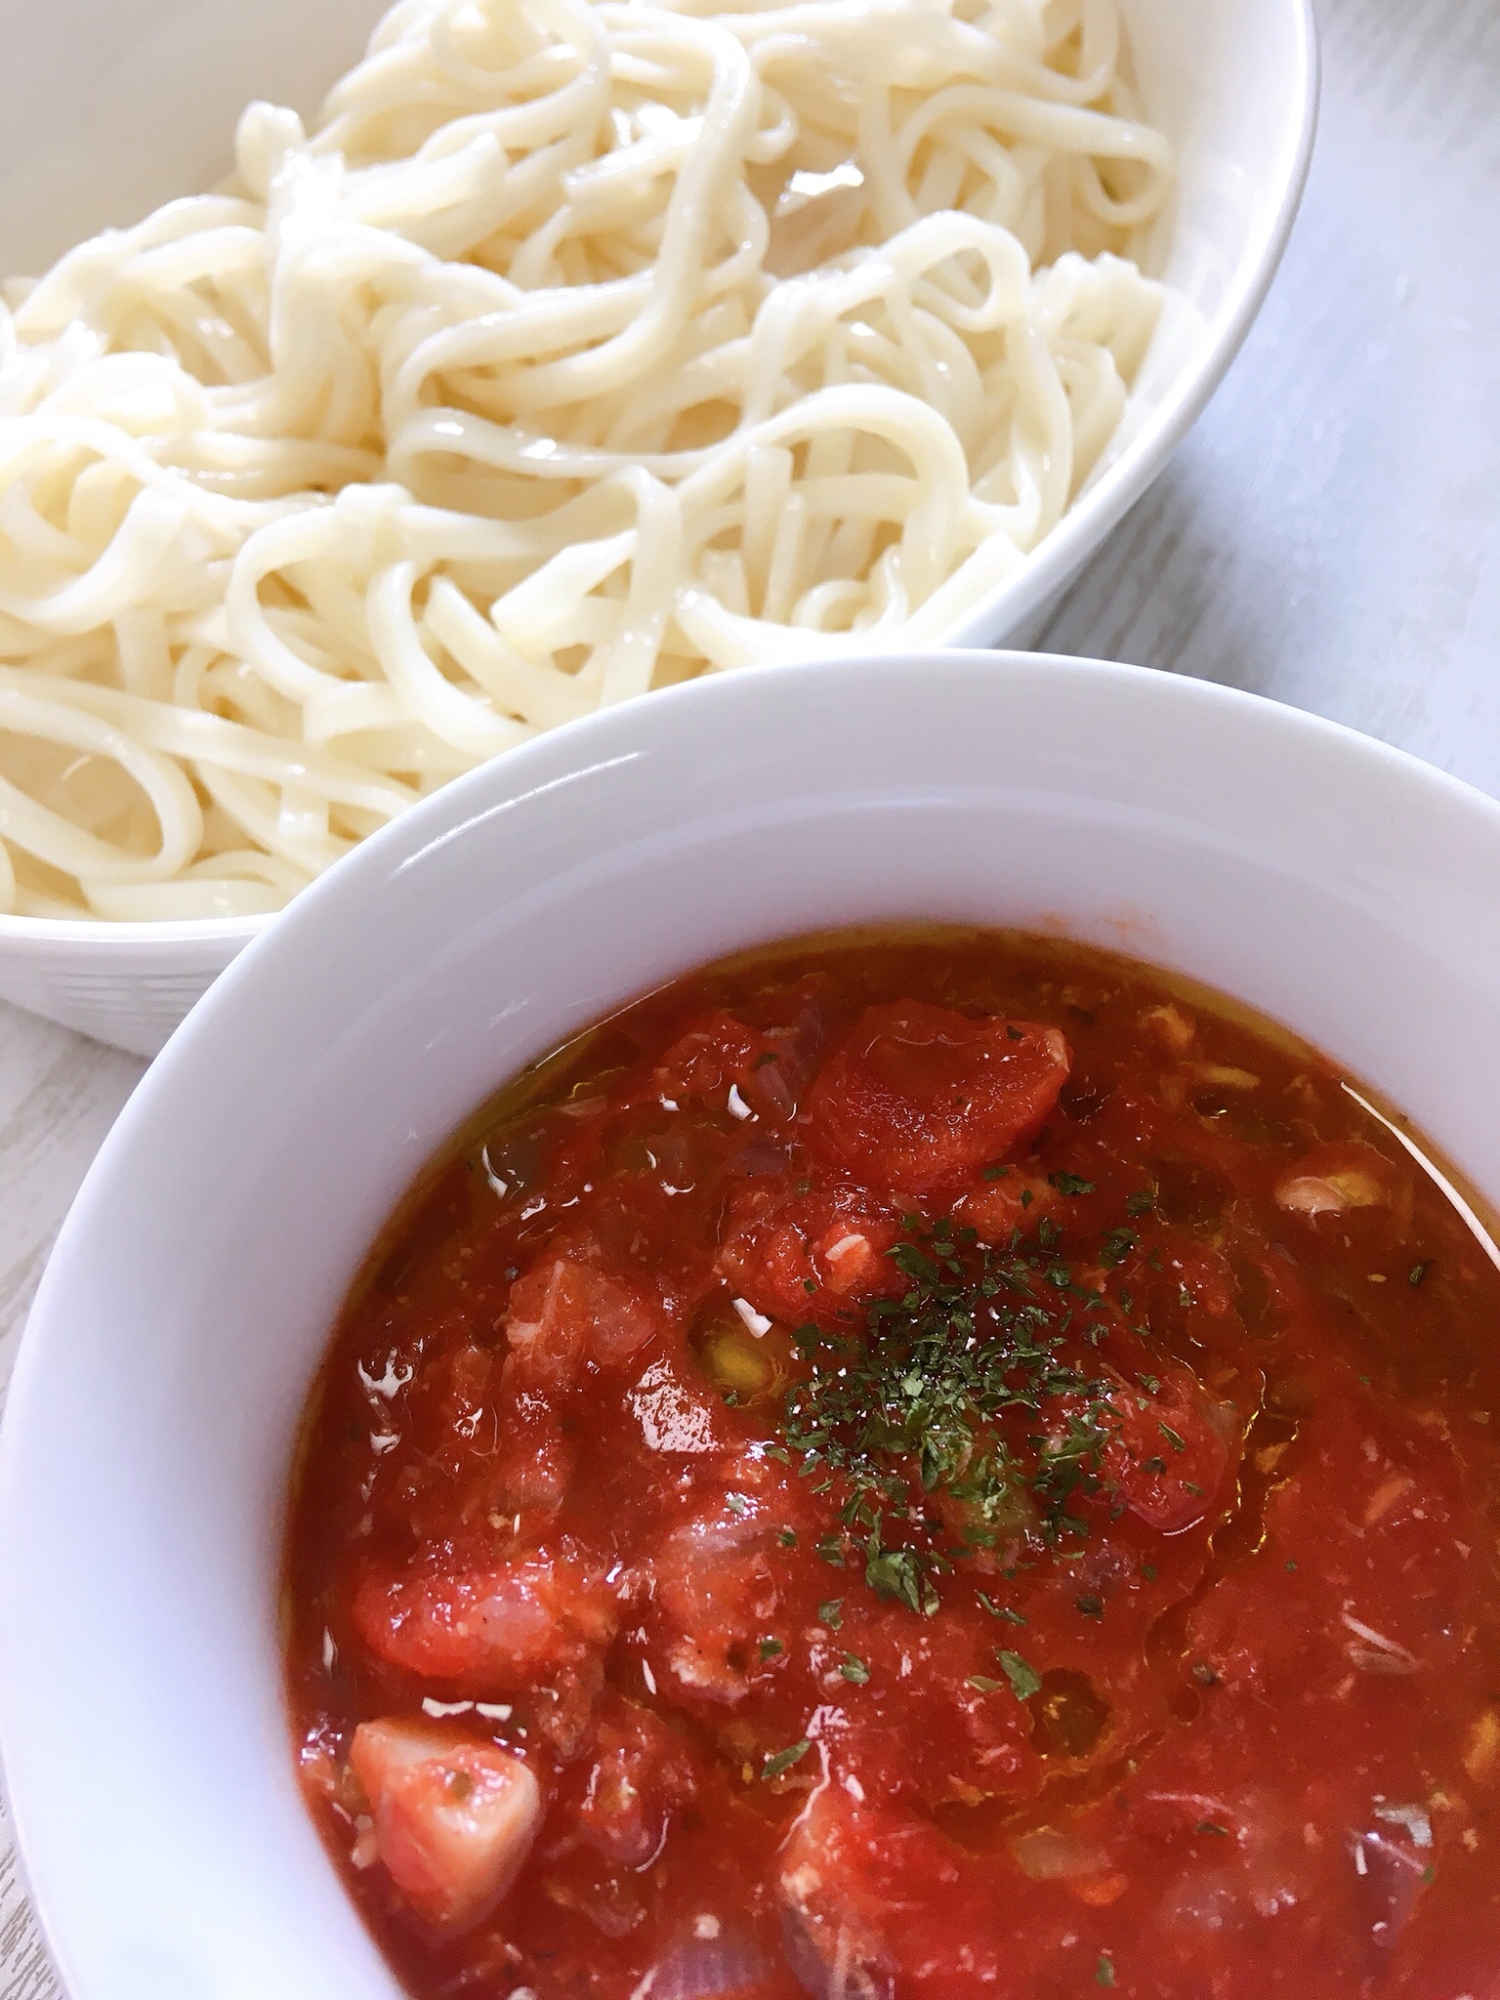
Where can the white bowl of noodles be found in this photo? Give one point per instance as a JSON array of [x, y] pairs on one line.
[[575, 348]]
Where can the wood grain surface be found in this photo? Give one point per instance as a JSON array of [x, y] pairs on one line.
[[1329, 535]]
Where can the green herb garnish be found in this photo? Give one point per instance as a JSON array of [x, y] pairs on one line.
[[1071, 1184], [950, 1394], [854, 1669], [776, 1766], [901, 1575], [1117, 1246], [1000, 1610], [1024, 1679]]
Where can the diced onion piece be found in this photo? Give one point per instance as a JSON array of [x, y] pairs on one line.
[[453, 1817], [1330, 1194], [1049, 1856], [1170, 1025], [1482, 1751], [1224, 1076]]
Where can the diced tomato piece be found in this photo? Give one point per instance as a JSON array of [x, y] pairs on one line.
[[454, 1818], [765, 1070], [1016, 1199], [800, 1257], [716, 1592], [714, 1055], [534, 1465], [843, 1867], [480, 1630], [641, 1772], [1169, 1458], [919, 1098], [1202, 1271], [566, 1311]]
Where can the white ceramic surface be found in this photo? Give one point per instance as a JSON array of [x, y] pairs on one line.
[[1234, 84], [1340, 886]]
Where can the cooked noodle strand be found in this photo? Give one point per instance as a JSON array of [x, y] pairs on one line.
[[583, 346]]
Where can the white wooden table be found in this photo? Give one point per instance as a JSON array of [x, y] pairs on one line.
[[1329, 535]]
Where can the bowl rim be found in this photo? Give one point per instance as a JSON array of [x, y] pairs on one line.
[[1098, 509], [431, 823]]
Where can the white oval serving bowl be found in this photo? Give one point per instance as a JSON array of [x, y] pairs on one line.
[[1340, 886], [1234, 85]]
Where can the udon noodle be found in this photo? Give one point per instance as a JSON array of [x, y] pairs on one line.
[[582, 346]]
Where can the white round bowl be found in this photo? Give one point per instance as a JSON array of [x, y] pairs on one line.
[[1340, 886], [110, 106]]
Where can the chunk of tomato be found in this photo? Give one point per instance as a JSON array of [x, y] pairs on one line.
[[717, 1586], [847, 1867], [996, 1209], [566, 1311], [709, 1059], [810, 1256], [1170, 1455], [484, 1628], [919, 1098], [641, 1772], [454, 1818]]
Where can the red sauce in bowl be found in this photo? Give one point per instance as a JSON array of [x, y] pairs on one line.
[[924, 1464]]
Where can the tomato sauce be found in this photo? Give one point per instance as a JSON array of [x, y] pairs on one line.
[[921, 1463]]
